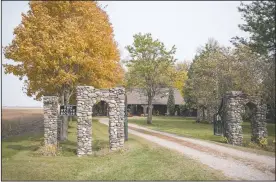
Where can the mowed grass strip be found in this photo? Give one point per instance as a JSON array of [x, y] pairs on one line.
[[185, 126], [140, 160]]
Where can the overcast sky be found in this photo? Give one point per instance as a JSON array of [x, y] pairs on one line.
[[187, 25]]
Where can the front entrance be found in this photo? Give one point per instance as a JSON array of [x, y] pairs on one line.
[[231, 112], [88, 96]]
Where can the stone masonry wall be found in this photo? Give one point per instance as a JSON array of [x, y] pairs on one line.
[[232, 117], [59, 121], [87, 96], [258, 123], [50, 107], [233, 107]]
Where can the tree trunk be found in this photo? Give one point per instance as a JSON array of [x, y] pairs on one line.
[[149, 118], [204, 114], [64, 125]]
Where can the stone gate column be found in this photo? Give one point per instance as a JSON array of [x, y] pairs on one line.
[[116, 118], [121, 133], [113, 125], [59, 128], [232, 117], [50, 108], [258, 123], [84, 115]]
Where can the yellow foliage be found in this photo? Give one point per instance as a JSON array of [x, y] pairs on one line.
[[179, 76], [224, 139], [263, 142], [62, 44]]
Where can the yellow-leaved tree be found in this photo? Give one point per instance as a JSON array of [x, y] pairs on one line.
[[62, 44], [180, 77]]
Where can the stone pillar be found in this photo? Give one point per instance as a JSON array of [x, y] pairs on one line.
[[59, 127], [258, 123], [116, 118], [122, 107], [232, 117], [113, 125], [84, 113], [50, 107]]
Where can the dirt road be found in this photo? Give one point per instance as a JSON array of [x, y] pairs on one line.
[[236, 164]]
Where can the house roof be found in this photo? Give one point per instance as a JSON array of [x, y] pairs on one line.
[[135, 96]]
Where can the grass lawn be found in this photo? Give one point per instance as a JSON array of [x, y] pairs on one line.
[[140, 160], [184, 126]]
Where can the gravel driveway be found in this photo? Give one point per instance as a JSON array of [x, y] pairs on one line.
[[235, 164]]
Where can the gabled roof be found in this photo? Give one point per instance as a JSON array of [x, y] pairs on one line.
[[135, 96]]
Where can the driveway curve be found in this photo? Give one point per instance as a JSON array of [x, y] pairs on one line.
[[235, 164]]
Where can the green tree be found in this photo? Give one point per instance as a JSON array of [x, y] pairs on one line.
[[259, 17], [216, 70], [149, 67], [202, 84], [171, 102], [260, 22]]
